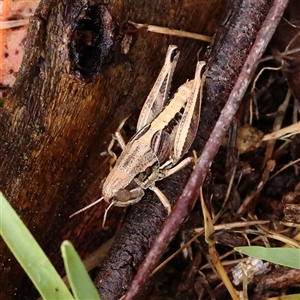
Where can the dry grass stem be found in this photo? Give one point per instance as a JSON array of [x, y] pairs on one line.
[[169, 31]]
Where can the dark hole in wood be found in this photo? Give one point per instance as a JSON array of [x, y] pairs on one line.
[[90, 42]]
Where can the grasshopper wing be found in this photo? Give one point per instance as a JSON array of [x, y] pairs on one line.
[[157, 97]]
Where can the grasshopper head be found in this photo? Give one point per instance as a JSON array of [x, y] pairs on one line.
[[120, 189]]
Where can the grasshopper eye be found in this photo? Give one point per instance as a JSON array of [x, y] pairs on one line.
[[122, 195]]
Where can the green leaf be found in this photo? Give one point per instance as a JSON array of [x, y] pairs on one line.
[[289, 257], [80, 281], [290, 297], [29, 254]]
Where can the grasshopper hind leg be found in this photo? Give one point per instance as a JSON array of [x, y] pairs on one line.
[[150, 184], [166, 172], [163, 199]]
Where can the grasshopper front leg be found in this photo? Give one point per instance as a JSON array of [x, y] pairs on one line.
[[116, 137]]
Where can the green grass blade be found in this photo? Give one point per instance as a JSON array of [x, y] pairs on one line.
[[29, 254], [290, 297], [80, 281], [289, 257]]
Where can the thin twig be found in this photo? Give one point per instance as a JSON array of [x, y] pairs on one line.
[[13, 23]]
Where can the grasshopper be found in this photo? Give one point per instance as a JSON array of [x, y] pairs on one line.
[[165, 132]]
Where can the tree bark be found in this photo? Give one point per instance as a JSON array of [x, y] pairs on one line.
[[72, 91]]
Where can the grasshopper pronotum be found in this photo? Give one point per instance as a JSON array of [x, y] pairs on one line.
[[164, 134]]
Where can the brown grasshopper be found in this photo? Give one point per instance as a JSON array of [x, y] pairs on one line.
[[164, 134]]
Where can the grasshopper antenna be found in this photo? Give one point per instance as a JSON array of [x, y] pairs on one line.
[[198, 54], [106, 212], [87, 207]]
